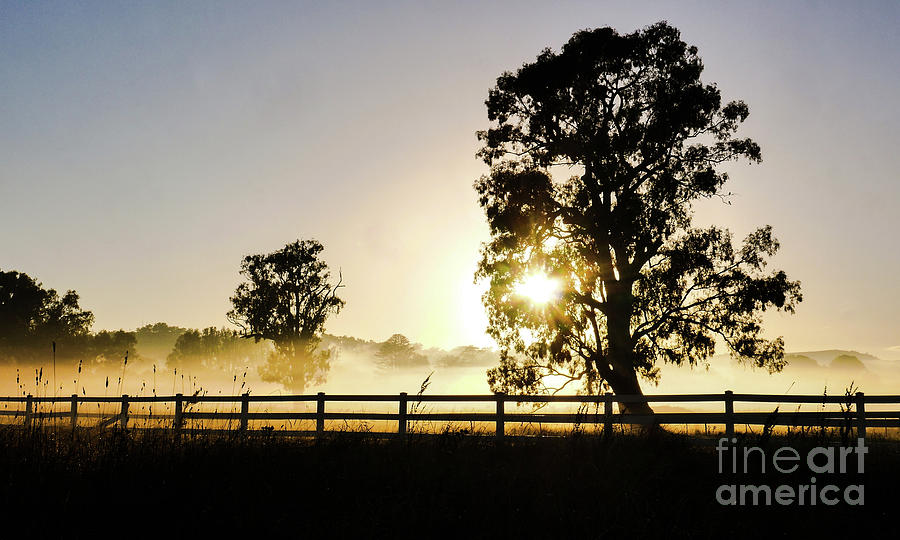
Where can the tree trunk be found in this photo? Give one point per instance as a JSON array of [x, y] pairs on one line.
[[623, 377], [625, 382]]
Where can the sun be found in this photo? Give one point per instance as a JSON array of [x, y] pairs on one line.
[[539, 288]]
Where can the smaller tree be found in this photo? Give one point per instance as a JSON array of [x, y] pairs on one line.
[[287, 298], [189, 350], [155, 341], [397, 353]]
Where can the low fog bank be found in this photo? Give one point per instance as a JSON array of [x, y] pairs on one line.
[[174, 360], [164, 363], [809, 372]]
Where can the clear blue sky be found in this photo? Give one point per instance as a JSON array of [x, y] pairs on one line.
[[145, 148]]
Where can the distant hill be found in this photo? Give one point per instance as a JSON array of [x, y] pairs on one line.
[[831, 359], [822, 359], [800, 361], [826, 357], [848, 363]]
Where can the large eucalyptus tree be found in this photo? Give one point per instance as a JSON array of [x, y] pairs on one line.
[[596, 155]]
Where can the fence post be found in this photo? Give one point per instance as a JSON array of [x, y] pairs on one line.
[[123, 416], [73, 411], [29, 409], [245, 410], [607, 414], [320, 413], [501, 400], [861, 415], [179, 412], [729, 415], [401, 424]]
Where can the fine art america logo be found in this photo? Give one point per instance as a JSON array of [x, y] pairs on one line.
[[831, 461]]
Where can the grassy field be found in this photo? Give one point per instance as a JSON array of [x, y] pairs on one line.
[[661, 486]]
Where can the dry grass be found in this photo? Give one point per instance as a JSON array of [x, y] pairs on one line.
[[149, 482]]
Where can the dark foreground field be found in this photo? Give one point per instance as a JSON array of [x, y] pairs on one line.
[[142, 484]]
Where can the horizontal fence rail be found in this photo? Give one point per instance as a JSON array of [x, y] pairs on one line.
[[852, 415]]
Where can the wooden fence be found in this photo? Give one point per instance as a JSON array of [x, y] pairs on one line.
[[851, 416]]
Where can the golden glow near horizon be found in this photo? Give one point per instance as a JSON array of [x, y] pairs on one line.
[[539, 288], [309, 123]]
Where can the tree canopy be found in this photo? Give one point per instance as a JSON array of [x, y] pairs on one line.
[[33, 318], [397, 353], [112, 346], [596, 155], [214, 348], [155, 341], [286, 298]]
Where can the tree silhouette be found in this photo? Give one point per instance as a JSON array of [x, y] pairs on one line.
[[110, 347], [287, 299], [214, 348], [155, 341], [642, 137], [33, 318], [398, 353]]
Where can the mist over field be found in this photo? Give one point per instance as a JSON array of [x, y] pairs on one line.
[[356, 367], [152, 367]]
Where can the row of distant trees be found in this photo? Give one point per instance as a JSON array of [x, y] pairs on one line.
[[37, 322]]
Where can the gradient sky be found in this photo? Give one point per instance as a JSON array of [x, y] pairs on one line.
[[145, 148]]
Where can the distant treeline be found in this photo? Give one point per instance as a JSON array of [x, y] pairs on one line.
[[224, 349], [397, 352], [39, 325]]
